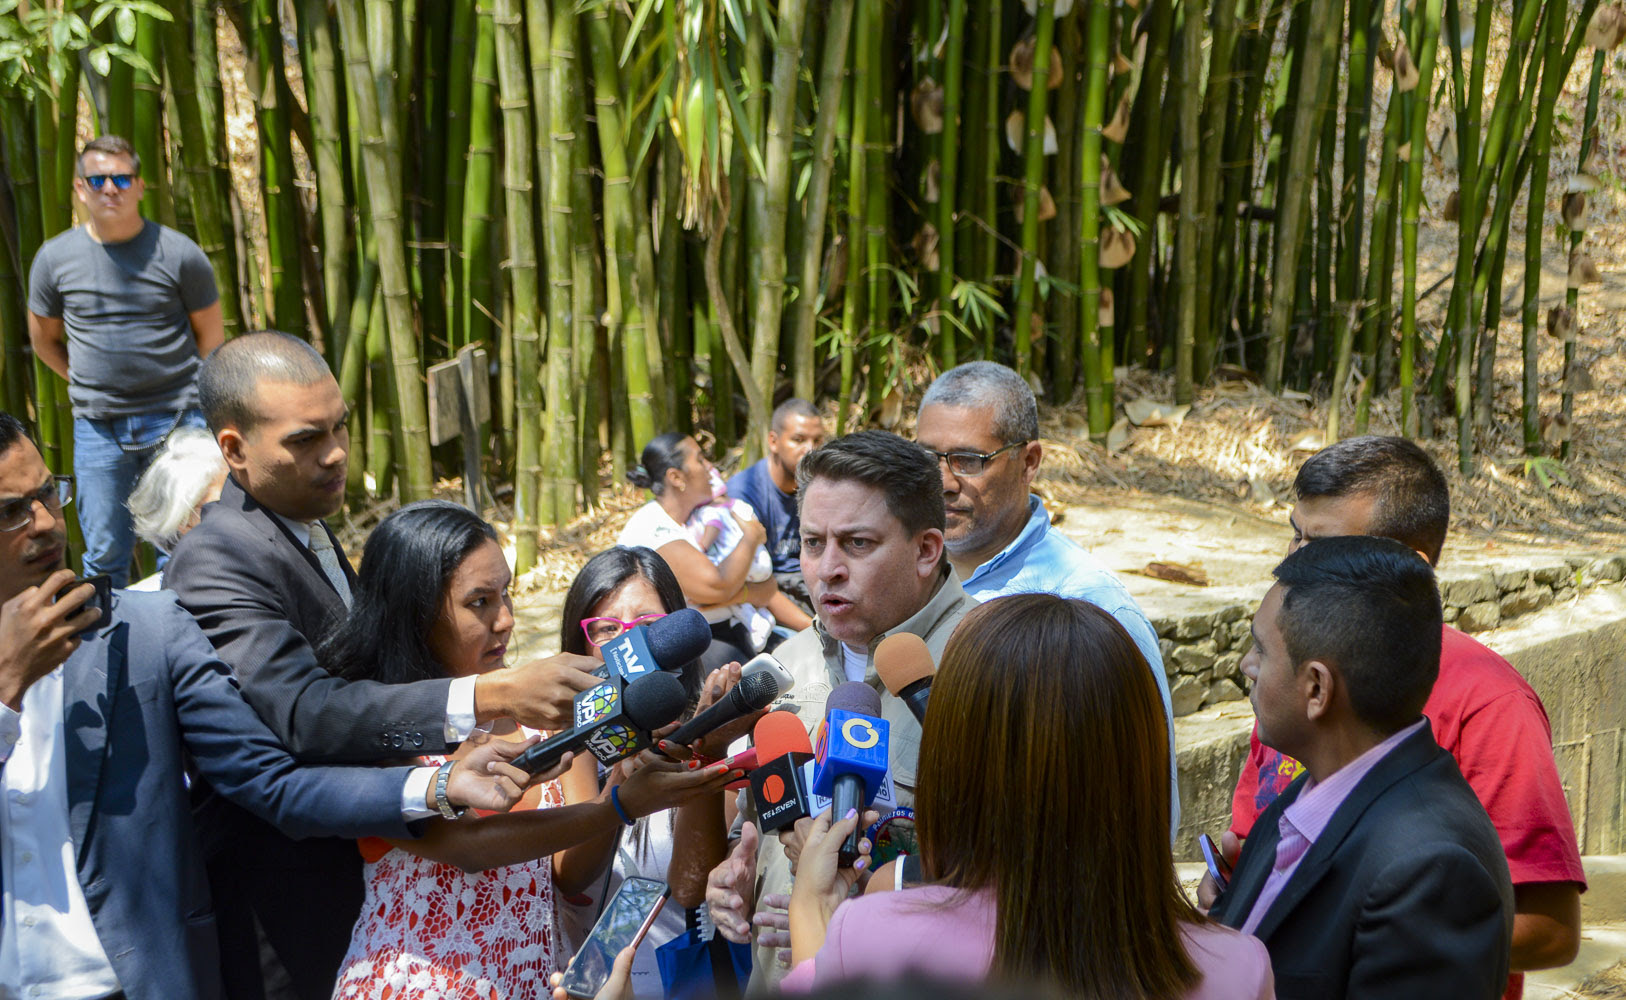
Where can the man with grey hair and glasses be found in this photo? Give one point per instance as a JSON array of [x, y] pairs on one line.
[[982, 422]]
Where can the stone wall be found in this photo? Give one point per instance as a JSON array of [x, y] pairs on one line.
[[1202, 651]]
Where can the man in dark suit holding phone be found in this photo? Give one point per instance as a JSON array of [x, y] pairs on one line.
[[1377, 873], [265, 578]]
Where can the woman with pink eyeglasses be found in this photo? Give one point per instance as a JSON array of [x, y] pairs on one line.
[[618, 589]]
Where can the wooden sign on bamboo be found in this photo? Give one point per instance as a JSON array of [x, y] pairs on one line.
[[459, 403]]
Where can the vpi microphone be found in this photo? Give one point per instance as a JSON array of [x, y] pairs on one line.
[[778, 785], [852, 755], [612, 721], [907, 670]]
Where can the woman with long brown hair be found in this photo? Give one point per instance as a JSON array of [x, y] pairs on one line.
[[1043, 813]]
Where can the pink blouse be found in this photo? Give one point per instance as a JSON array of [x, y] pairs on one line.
[[927, 932]]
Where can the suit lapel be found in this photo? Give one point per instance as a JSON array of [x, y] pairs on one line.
[[1259, 858], [277, 533], [90, 683], [1413, 753]]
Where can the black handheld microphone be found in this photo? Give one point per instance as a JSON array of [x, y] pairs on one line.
[[612, 721], [753, 692]]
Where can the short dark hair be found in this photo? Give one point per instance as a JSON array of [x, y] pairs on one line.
[[1412, 503], [662, 453], [1371, 609], [231, 376], [903, 471], [111, 145], [12, 430], [792, 407], [601, 577], [405, 568]]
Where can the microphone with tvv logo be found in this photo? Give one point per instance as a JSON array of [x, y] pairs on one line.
[[664, 644], [613, 720], [779, 783], [852, 755]]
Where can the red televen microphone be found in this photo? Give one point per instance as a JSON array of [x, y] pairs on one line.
[[777, 786]]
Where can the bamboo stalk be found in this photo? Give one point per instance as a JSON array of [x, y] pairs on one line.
[[147, 114], [286, 308], [322, 89], [561, 445], [1033, 171], [479, 290], [1572, 296], [1191, 211]]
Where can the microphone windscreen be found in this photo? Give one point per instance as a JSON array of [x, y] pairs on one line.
[[756, 691], [654, 700], [780, 733], [901, 659], [854, 696], [678, 638]]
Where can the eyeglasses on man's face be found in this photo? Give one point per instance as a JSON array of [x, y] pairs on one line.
[[969, 464], [18, 512], [602, 629], [120, 181]]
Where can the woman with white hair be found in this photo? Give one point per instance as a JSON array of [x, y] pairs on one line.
[[187, 473]]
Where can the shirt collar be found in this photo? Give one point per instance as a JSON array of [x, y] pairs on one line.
[[1313, 809], [301, 529], [1038, 524]]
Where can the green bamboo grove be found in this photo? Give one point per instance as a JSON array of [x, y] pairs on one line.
[[658, 214]]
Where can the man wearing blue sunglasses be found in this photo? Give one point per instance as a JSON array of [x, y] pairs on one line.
[[125, 309]]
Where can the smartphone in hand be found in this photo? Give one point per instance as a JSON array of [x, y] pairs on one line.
[[101, 602], [624, 923], [1218, 867]]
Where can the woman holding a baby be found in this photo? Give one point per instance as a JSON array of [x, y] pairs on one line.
[[712, 543]]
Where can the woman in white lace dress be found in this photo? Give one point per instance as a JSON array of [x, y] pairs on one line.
[[467, 910]]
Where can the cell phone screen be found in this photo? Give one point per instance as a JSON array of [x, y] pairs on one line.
[[624, 921]]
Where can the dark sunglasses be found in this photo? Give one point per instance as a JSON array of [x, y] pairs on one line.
[[120, 181]]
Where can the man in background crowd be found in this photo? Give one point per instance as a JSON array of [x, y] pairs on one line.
[[1482, 711], [124, 309], [982, 423], [265, 577], [769, 486], [1376, 873]]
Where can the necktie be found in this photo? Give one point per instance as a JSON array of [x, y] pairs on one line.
[[1291, 847], [322, 548]]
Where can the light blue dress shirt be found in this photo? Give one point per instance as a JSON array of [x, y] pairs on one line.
[[1044, 561]]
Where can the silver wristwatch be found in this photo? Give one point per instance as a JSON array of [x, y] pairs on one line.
[[441, 801]]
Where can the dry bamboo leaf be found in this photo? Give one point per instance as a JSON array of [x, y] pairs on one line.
[[927, 103], [1021, 62], [1386, 53], [1151, 413], [1051, 145], [1113, 191], [1451, 210], [891, 412], [1104, 315], [1310, 441], [1047, 206], [1561, 324], [1121, 64], [1604, 30], [1193, 574], [1555, 428], [1117, 248], [1448, 150], [1584, 272], [1061, 8], [1014, 125], [1118, 435], [1403, 152], [1579, 379], [925, 244], [934, 181], [1574, 211], [1582, 181], [1406, 75], [1593, 164], [1117, 130], [835, 268]]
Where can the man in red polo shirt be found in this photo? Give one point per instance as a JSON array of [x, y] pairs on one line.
[[1482, 712]]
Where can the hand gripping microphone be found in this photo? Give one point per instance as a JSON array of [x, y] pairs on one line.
[[753, 692], [612, 721], [907, 670], [664, 644], [778, 785], [852, 756]]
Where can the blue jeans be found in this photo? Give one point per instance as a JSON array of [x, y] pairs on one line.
[[108, 457]]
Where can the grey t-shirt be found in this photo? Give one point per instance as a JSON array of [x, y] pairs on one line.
[[125, 309]]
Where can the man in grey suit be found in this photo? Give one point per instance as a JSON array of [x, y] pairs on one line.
[[265, 578], [102, 886], [1377, 873]]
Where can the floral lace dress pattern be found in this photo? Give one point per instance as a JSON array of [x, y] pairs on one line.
[[431, 931]]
